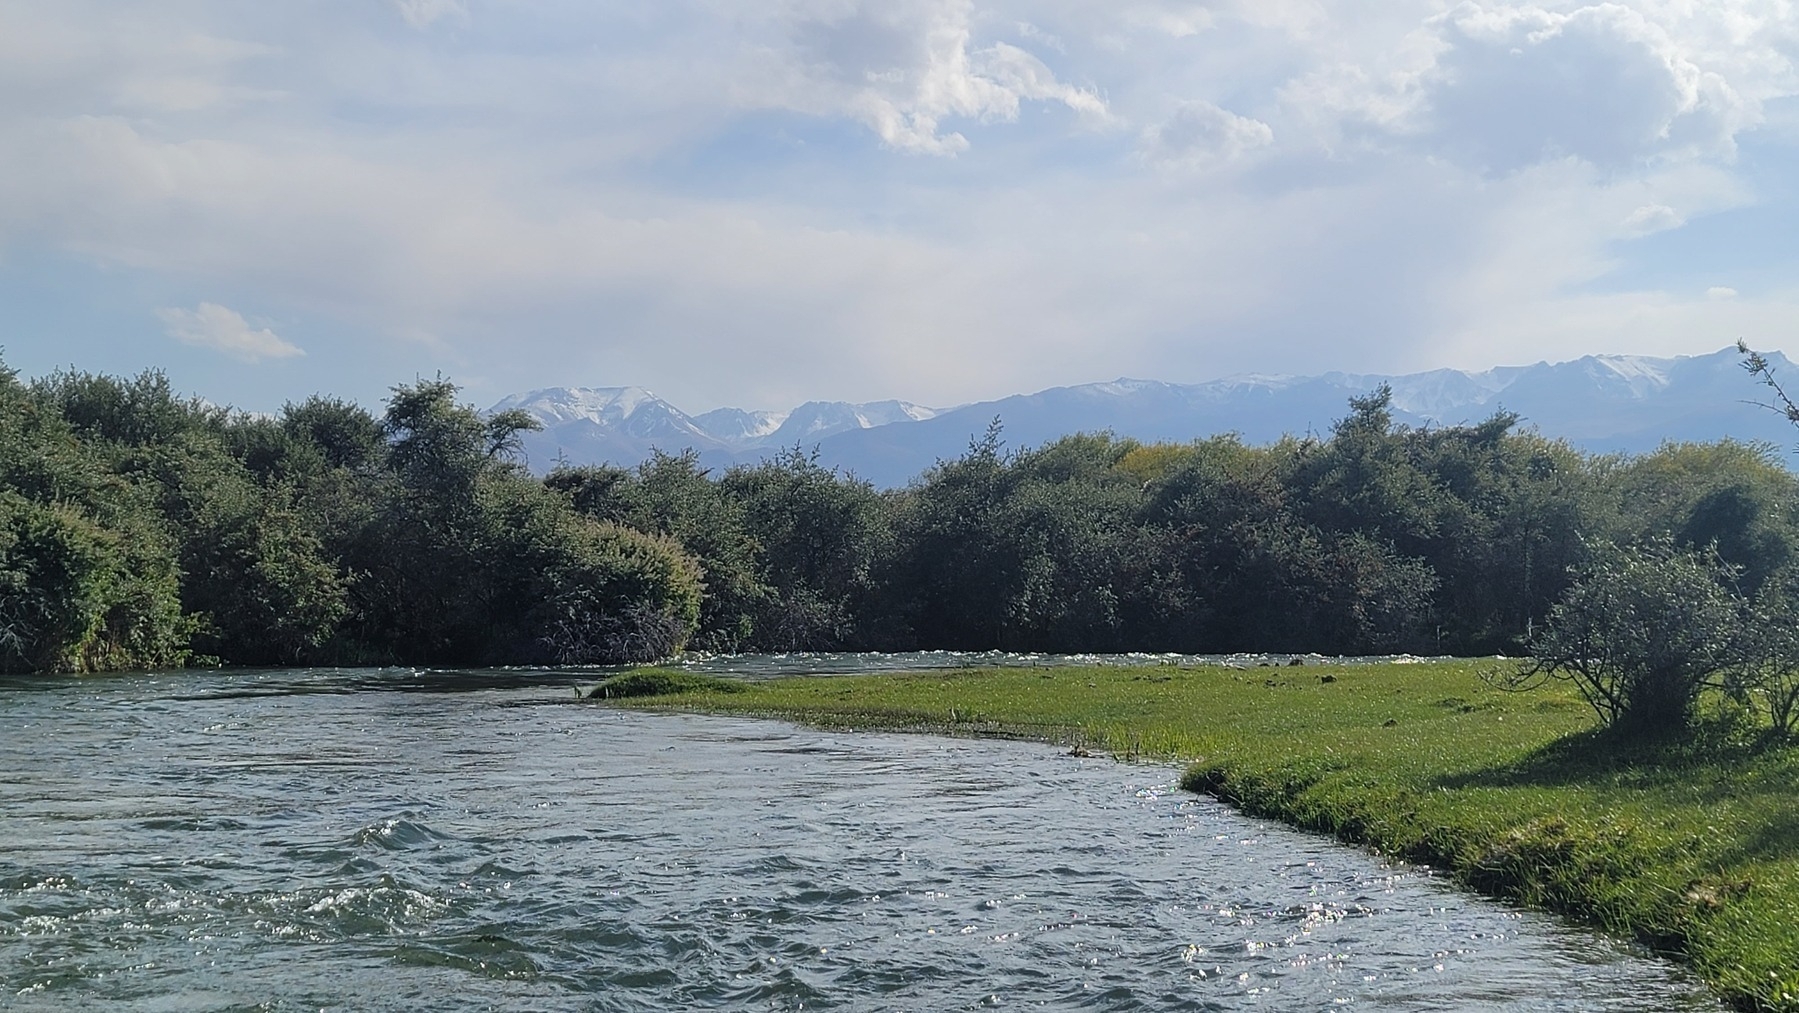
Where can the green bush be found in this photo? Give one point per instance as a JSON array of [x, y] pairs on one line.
[[1643, 631], [612, 595], [76, 597], [661, 682]]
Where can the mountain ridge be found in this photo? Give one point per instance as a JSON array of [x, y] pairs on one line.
[[1602, 403]]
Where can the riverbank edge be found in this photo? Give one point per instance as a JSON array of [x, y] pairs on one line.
[[1544, 863]]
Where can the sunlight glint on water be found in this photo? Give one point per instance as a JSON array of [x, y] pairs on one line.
[[433, 841]]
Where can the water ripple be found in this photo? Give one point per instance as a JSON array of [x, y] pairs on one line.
[[401, 840]]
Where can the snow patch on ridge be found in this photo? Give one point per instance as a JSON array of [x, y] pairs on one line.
[[1604, 403]]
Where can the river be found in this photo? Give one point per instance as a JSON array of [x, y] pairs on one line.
[[398, 840]]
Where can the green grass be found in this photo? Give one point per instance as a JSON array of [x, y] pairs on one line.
[[661, 682], [1693, 851]]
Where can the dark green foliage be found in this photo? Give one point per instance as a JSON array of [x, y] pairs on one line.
[[951, 571], [137, 528], [674, 497], [819, 537], [342, 434], [469, 559], [442, 449], [88, 572], [1252, 572], [75, 597], [140, 527], [256, 580], [136, 413], [263, 583], [1067, 528], [1497, 517], [599, 490], [787, 548], [1734, 497], [1767, 680], [597, 592]]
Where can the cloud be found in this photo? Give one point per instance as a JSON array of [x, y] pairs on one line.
[[1200, 132], [1512, 86], [902, 67], [1041, 37], [224, 330], [1179, 20], [424, 13], [1651, 218], [84, 57], [1497, 86], [612, 192], [1720, 292]]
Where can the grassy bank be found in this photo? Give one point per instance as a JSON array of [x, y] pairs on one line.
[[1696, 853]]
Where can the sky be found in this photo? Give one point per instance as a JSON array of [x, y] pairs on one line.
[[757, 204]]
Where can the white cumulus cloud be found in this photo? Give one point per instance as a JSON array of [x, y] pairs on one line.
[[904, 66], [225, 330], [1498, 86], [1517, 85]]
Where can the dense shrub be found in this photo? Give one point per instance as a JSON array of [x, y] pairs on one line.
[[77, 597], [1641, 633]]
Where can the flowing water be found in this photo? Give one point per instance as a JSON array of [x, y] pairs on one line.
[[768, 666], [405, 840]]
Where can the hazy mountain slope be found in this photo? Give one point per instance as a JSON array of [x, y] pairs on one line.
[[817, 420], [1603, 403], [735, 426]]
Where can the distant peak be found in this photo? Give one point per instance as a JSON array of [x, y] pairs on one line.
[[1605, 401], [585, 396], [612, 405]]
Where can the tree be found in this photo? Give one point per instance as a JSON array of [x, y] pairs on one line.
[[1759, 367], [439, 446], [255, 576], [1641, 632], [1734, 496], [567, 589], [77, 597], [816, 537], [143, 411], [1065, 533], [1767, 679], [342, 432], [950, 578], [673, 496], [88, 574]]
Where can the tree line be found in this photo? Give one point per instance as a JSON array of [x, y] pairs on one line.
[[140, 528]]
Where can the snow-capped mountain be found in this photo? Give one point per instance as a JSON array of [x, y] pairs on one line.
[[631, 411], [624, 425], [1603, 403], [815, 420], [736, 426]]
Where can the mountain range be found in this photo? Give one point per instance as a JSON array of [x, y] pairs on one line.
[[1602, 403]]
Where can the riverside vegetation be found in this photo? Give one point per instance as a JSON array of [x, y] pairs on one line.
[[1659, 595], [140, 529], [1691, 847]]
